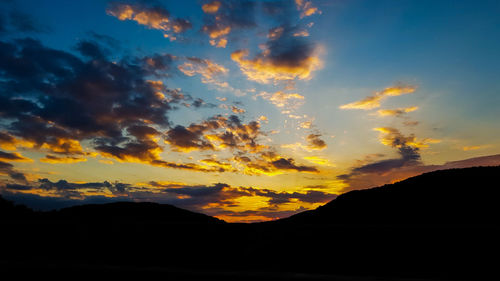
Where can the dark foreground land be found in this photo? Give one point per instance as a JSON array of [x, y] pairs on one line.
[[438, 226]]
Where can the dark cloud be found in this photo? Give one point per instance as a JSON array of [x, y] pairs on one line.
[[15, 21], [367, 180], [314, 141], [211, 199], [55, 100], [288, 164], [233, 14], [8, 156], [8, 169], [287, 55], [217, 132], [91, 49], [408, 150], [187, 139]]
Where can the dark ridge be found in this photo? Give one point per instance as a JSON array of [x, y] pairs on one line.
[[455, 196], [132, 212], [441, 225], [11, 211], [124, 212]]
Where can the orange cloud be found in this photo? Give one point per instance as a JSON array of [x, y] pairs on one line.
[[319, 160], [51, 159], [152, 17], [208, 69], [211, 8], [13, 156], [396, 112], [393, 138], [217, 35], [474, 147], [237, 110], [374, 100], [9, 142], [281, 99], [263, 68], [306, 8], [314, 142], [64, 146]]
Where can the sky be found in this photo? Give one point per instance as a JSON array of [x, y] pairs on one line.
[[244, 110]]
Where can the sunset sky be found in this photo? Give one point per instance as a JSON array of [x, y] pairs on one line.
[[243, 110]]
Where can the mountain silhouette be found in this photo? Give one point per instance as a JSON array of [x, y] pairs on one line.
[[132, 212], [455, 196], [441, 225]]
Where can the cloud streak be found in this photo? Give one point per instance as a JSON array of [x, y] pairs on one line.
[[154, 17], [374, 100]]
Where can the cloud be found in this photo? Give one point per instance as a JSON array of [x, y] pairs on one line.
[[224, 16], [51, 159], [13, 156], [374, 100], [408, 148], [306, 8], [8, 169], [314, 142], [474, 147], [211, 7], [269, 163], [209, 70], [283, 58], [187, 139], [288, 164], [392, 137], [237, 110], [15, 21], [367, 180], [218, 199], [396, 112], [216, 133], [54, 100], [153, 17], [8, 142], [319, 160], [281, 99]]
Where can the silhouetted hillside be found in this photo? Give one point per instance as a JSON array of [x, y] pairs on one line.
[[437, 226], [456, 196], [11, 211], [132, 212]]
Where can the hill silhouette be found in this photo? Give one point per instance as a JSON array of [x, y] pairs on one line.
[[441, 225], [455, 196], [130, 212]]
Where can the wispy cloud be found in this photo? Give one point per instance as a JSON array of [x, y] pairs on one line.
[[154, 17], [374, 100]]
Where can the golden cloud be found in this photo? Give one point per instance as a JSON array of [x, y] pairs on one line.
[[211, 8], [319, 160], [51, 159], [397, 111], [152, 17], [306, 8], [263, 68], [281, 99], [14, 156], [374, 100]]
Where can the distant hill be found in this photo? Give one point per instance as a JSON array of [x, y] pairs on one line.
[[456, 196], [9, 210], [441, 225], [127, 212], [132, 212]]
